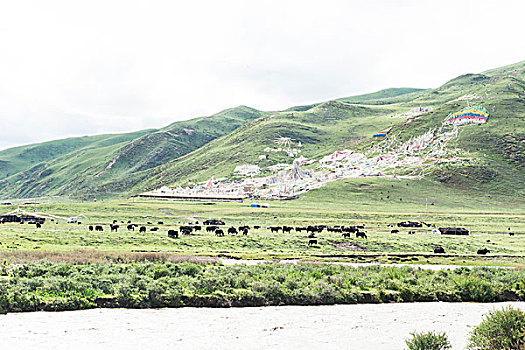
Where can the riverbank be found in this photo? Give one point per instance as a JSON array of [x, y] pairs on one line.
[[368, 326], [65, 286]]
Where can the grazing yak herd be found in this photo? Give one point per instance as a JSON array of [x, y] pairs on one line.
[[312, 230], [218, 228]]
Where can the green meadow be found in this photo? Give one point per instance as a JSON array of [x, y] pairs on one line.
[[377, 203]]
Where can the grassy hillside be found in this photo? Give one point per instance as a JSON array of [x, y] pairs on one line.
[[101, 166], [497, 148], [497, 145], [200, 148], [321, 129], [23, 158]]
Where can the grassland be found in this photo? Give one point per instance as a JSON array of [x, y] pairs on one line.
[[65, 267], [350, 202]]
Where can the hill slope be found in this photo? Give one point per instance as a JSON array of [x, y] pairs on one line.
[[496, 149], [200, 148], [23, 158], [105, 165]]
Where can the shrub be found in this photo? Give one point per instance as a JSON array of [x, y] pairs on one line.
[[428, 341], [46, 285], [473, 288], [191, 269], [500, 330]]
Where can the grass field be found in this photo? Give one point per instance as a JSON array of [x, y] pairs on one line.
[[348, 202]]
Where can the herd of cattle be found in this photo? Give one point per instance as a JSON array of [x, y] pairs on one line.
[[312, 230], [218, 228]]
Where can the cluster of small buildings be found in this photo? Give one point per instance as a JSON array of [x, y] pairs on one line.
[[389, 157]]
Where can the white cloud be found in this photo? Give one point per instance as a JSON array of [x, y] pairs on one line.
[[75, 68]]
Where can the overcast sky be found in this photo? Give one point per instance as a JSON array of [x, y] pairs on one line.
[[73, 68]]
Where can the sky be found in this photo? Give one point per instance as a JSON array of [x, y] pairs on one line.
[[75, 68]]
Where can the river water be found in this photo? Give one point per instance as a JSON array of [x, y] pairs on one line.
[[354, 264], [365, 326]]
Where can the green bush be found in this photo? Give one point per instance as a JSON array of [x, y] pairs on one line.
[[54, 286], [428, 341], [500, 330]]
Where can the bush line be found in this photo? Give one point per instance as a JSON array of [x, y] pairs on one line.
[[51, 286]]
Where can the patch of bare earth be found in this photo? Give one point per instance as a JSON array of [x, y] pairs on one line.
[[350, 246]]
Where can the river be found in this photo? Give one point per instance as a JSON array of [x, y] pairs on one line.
[[365, 326], [355, 264]]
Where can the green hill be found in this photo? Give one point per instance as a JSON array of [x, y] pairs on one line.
[[321, 129], [106, 165], [23, 158], [497, 147], [197, 149]]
